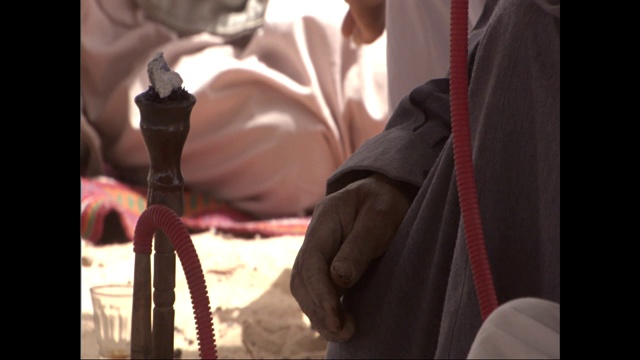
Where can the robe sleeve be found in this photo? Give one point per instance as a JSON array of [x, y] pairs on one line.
[[416, 132], [410, 144]]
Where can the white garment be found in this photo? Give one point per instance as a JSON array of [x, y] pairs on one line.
[[525, 328], [272, 120], [418, 42]]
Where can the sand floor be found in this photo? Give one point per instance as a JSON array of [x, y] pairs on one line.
[[254, 314]]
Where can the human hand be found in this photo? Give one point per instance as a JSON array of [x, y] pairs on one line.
[[364, 21], [348, 229]]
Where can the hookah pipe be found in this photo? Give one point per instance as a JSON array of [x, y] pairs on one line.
[[165, 219], [465, 177], [165, 125]]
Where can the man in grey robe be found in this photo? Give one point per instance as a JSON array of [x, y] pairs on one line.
[[383, 271]]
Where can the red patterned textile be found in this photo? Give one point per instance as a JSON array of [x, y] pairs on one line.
[[101, 196]]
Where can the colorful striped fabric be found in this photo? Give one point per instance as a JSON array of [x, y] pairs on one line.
[[101, 196]]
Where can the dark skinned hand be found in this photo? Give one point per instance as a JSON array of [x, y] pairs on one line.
[[348, 229]]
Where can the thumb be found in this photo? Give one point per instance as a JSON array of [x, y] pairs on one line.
[[362, 245]]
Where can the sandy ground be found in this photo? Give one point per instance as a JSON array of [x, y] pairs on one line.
[[254, 314]]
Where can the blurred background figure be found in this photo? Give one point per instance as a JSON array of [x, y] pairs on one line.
[[282, 97]]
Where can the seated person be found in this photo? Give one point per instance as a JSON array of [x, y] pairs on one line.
[[282, 99], [384, 269]]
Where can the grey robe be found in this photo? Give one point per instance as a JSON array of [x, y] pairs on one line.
[[418, 300]]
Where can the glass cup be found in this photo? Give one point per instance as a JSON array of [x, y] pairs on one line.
[[112, 307]]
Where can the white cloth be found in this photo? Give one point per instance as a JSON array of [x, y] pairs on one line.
[[418, 42], [525, 328], [272, 120]]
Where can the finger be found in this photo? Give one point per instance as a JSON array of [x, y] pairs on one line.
[[325, 308], [365, 242], [321, 289], [330, 322], [311, 282]]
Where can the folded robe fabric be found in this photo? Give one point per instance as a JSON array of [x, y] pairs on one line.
[[274, 116], [104, 196]]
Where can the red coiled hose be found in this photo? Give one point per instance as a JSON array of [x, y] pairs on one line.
[[465, 177], [163, 218]]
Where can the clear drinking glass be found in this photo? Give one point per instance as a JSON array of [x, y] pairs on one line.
[[112, 307]]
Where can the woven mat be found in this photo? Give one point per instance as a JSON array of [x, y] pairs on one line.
[[107, 203]]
